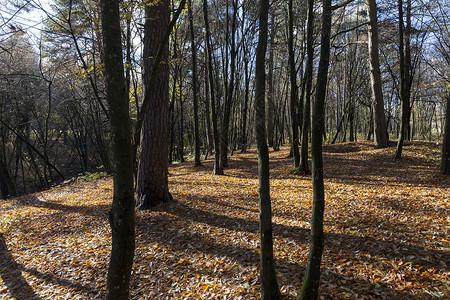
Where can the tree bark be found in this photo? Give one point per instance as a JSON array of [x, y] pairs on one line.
[[381, 137], [224, 139], [269, 285], [304, 166], [310, 287], [194, 87], [209, 134], [217, 168], [152, 181], [7, 184], [270, 107], [121, 215], [403, 93], [153, 75], [445, 162], [243, 140], [294, 88]]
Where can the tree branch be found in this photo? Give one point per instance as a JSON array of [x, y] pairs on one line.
[[337, 6]]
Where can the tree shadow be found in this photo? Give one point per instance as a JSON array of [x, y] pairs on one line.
[[11, 274], [189, 243], [99, 211], [389, 248]]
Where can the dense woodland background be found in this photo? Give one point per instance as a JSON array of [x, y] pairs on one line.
[[54, 120], [129, 88]]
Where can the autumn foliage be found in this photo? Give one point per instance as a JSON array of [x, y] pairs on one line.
[[387, 226]]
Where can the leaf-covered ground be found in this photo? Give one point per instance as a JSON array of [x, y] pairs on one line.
[[387, 229]]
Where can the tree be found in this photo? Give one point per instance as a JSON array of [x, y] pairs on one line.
[[381, 137], [304, 167], [294, 88], [7, 184], [270, 106], [194, 87], [403, 82], [229, 89], [121, 215], [445, 161], [269, 285], [310, 287], [152, 179], [218, 170]]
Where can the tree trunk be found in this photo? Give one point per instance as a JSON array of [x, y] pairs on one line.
[[209, 135], [172, 117], [181, 121], [408, 68], [243, 141], [403, 93], [270, 107], [152, 181], [121, 215], [217, 168], [269, 285], [294, 89], [310, 287], [445, 162], [229, 93], [304, 166], [7, 184], [381, 137], [194, 87]]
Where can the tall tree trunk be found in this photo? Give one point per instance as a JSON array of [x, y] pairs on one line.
[[172, 115], [209, 134], [304, 166], [128, 54], [229, 92], [181, 121], [217, 168], [310, 287], [381, 137], [294, 89], [194, 87], [121, 215], [152, 181], [243, 140], [270, 107], [153, 75], [408, 68], [403, 89], [445, 161], [269, 285]]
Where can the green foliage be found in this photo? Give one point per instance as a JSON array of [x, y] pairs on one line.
[[86, 176]]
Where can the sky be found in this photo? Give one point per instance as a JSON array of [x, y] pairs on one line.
[[28, 16]]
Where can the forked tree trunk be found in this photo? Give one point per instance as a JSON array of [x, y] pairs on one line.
[[310, 287], [269, 285], [121, 215]]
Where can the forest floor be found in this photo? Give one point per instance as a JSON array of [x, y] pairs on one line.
[[387, 231]]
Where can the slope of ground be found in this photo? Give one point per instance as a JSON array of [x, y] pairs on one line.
[[387, 229]]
